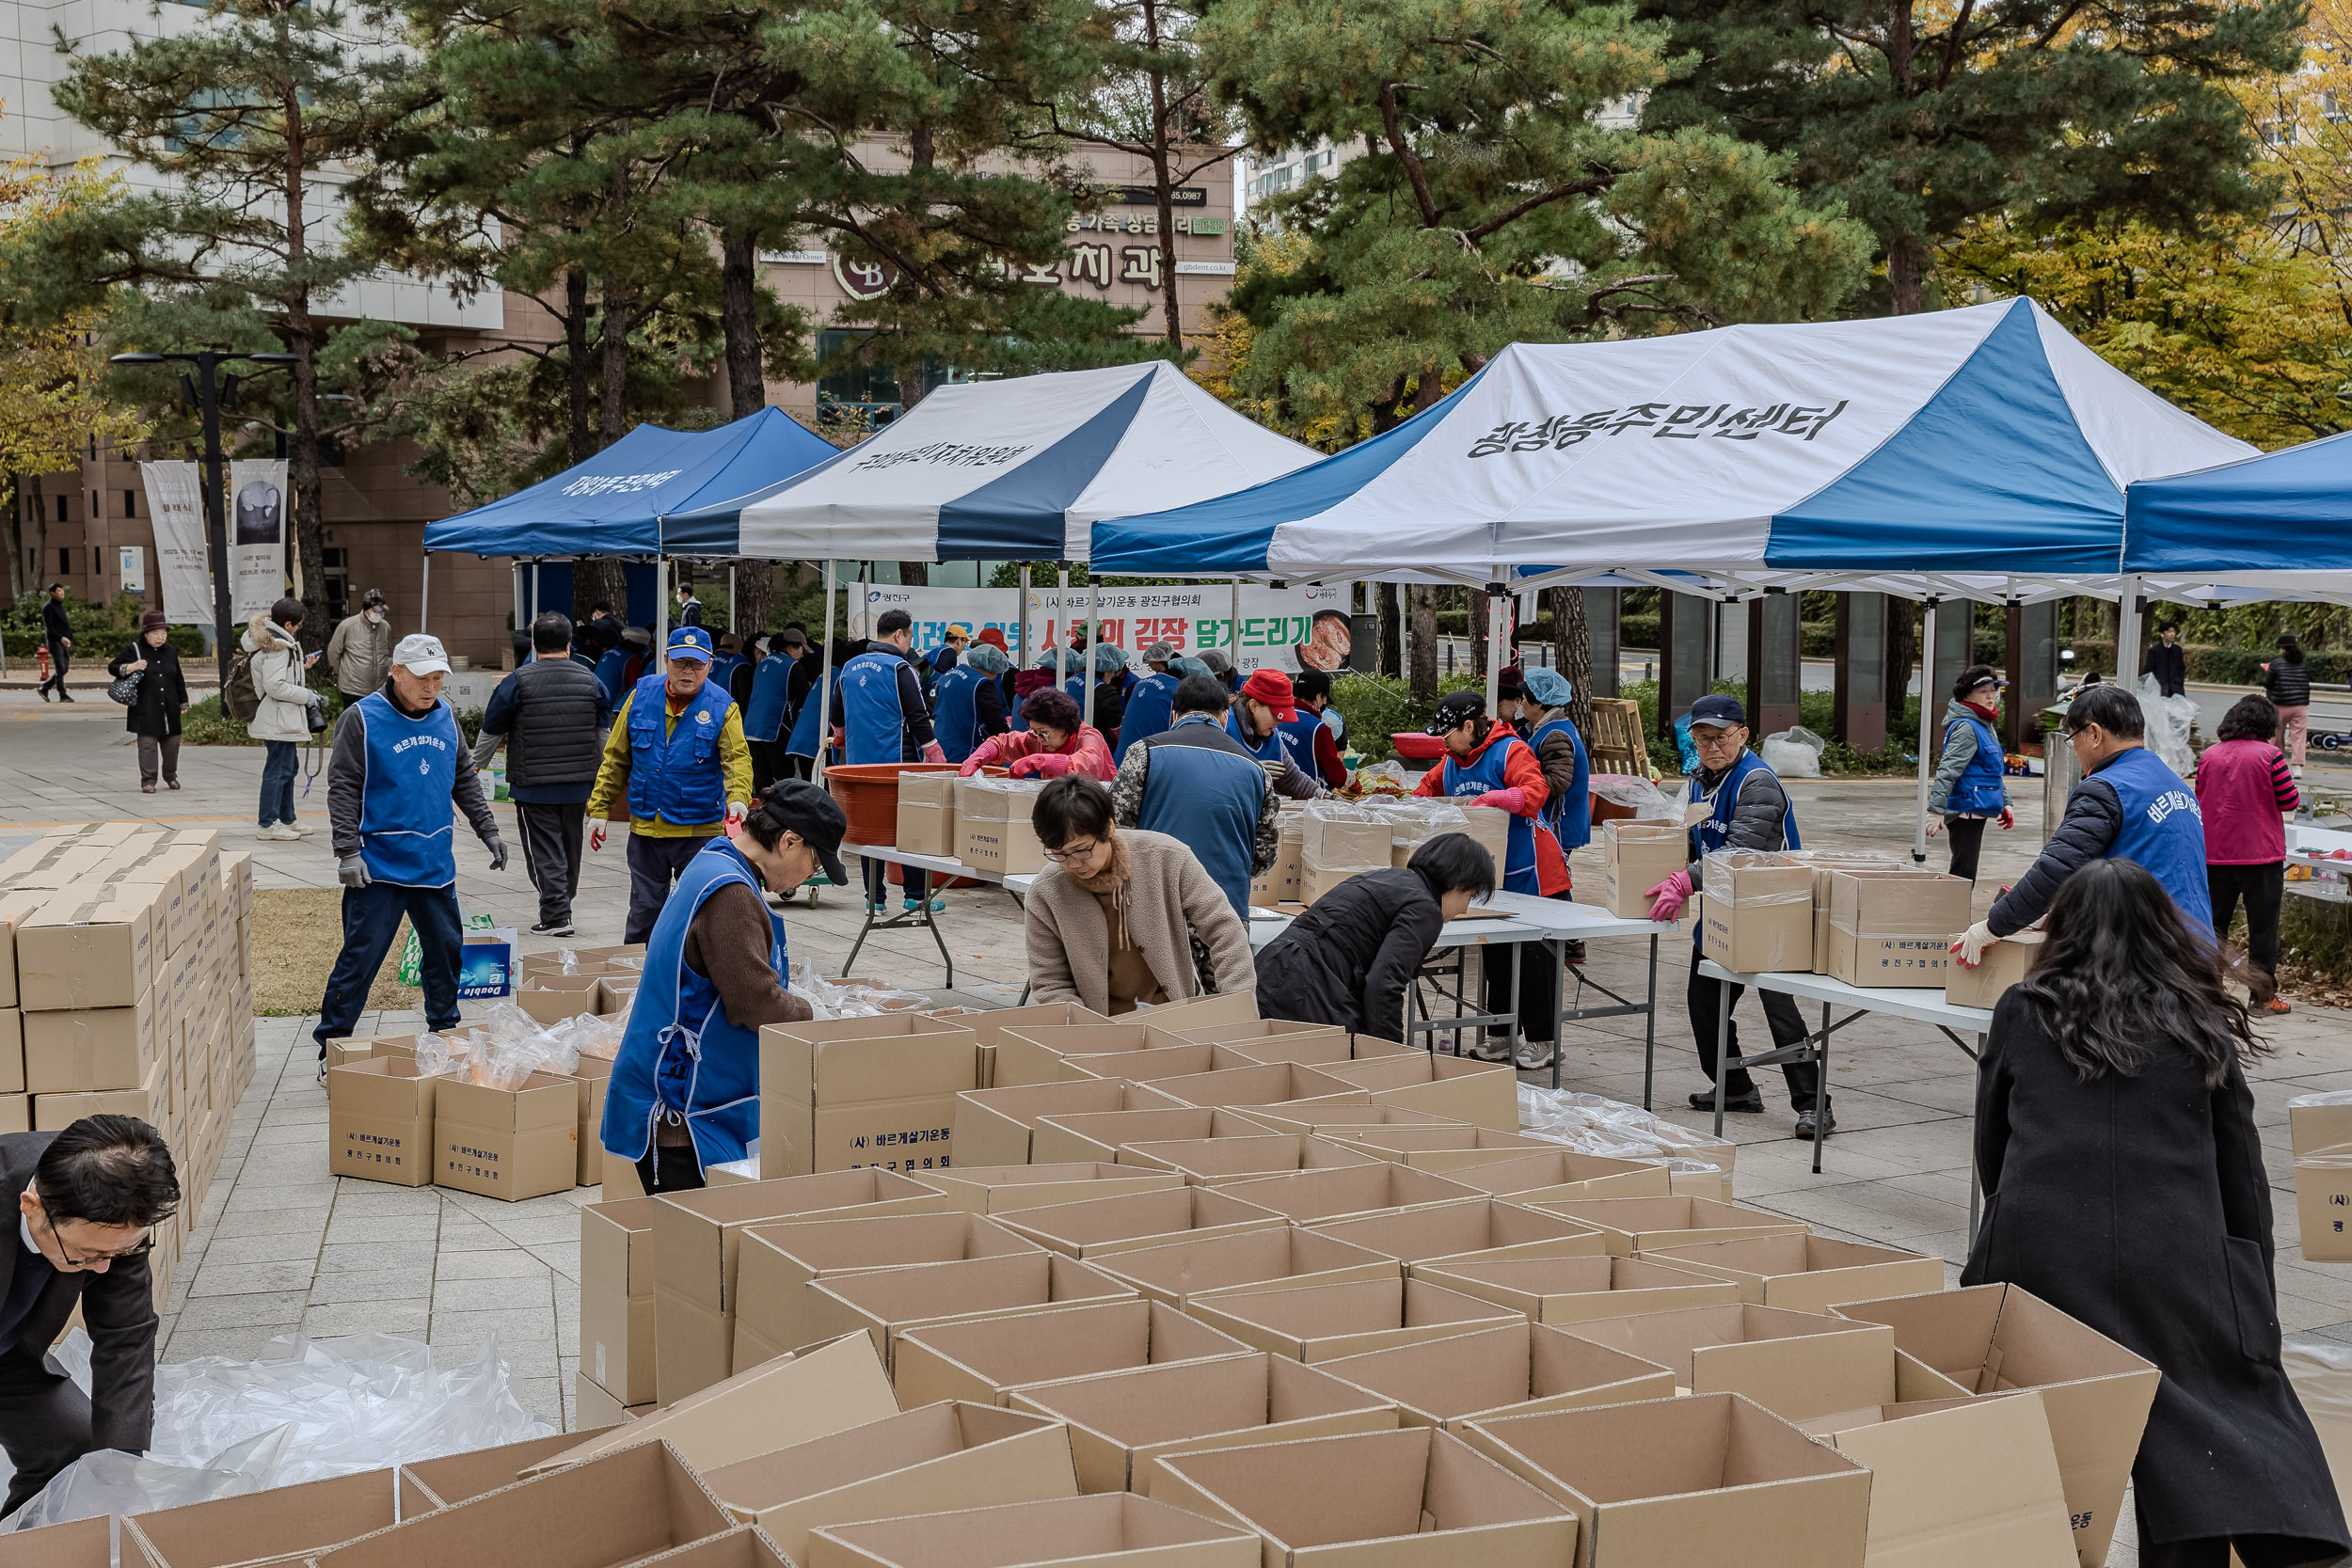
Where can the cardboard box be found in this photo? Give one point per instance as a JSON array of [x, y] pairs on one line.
[[1637, 1225], [1557, 1173], [1108, 1225], [993, 1127], [15, 909], [1201, 1011], [88, 946], [1797, 1365], [1213, 1162], [599, 960], [1415, 1498], [616, 1311], [1100, 1135], [1278, 1039], [1322, 1323], [1446, 1150], [1265, 1085], [1316, 1117], [1894, 931], [2323, 1204], [1009, 1189], [594, 1408], [778, 1262], [952, 1455], [1957, 1483], [1466, 1227], [553, 998], [1888, 962], [1808, 1274], [1636, 857], [380, 1121], [984, 1358], [283, 1525], [1689, 1481], [993, 829], [55, 1113], [1993, 1339], [697, 1239], [77, 1049], [508, 1143], [1128, 1532], [618, 1507], [593, 1076], [445, 1482], [1120, 1422], [1485, 1094], [1308, 1197], [2317, 1121], [1142, 1067], [862, 1092], [1567, 1291], [1756, 913], [886, 1304], [1179, 1272], [926, 820], [11, 1051], [1279, 882], [1516, 1369], [2005, 964], [989, 1025], [16, 1113], [83, 1543], [822, 1390], [1038, 1054]]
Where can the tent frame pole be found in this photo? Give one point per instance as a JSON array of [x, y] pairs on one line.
[[424, 594], [1495, 602], [660, 661], [1021, 622], [2127, 619], [824, 685], [1061, 644], [515, 579], [1233, 626], [1926, 724], [1094, 636]]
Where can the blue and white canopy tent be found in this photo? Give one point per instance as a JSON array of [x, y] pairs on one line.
[[2274, 525]]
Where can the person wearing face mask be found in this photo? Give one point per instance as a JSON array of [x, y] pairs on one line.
[[1350, 961], [685, 1088], [361, 651]]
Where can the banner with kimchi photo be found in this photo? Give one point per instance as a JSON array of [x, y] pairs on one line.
[[1281, 629]]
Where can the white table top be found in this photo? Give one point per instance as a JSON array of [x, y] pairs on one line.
[[944, 864], [1922, 1005], [1576, 922], [1265, 924]]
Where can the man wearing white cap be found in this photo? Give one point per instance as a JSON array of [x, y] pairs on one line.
[[677, 758], [400, 765]]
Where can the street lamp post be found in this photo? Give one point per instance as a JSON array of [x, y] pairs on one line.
[[207, 363]]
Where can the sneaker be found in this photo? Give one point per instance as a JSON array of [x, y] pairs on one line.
[[1575, 952], [322, 1067], [553, 929], [1807, 1124], [1532, 1056], [44, 693], [301, 832], [279, 832], [935, 905], [1751, 1102], [65, 696], [2277, 1005]]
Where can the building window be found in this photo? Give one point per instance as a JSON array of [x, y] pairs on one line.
[[65, 560], [97, 508], [130, 503], [97, 562], [61, 516]]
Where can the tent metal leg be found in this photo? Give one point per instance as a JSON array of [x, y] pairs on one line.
[[1723, 1062], [1061, 644], [424, 594], [824, 689], [1927, 727]]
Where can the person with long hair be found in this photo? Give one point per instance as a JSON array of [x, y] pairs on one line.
[[2124, 1185], [2246, 792], [2287, 682], [1970, 788]]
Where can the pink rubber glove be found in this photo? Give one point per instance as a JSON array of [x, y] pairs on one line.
[[1041, 765], [934, 752], [1667, 898], [1513, 801], [971, 766], [2008, 818]]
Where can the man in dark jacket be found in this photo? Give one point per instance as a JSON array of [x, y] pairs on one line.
[[57, 632], [88, 1200], [1350, 959], [1194, 782], [552, 715], [2167, 663]]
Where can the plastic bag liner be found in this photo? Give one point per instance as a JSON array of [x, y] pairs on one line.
[[304, 1409], [2322, 1376], [1794, 752], [1591, 1125], [2168, 721], [1647, 802], [1719, 873], [2327, 1096]]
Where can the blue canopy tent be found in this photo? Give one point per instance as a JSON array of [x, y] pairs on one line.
[[2277, 525]]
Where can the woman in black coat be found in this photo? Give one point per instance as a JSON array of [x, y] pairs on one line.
[[153, 716], [1350, 960], [2123, 1185]]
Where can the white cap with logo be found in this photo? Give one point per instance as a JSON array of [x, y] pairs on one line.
[[421, 655]]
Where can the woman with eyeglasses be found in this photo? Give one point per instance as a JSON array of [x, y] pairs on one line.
[[1970, 788], [1121, 919]]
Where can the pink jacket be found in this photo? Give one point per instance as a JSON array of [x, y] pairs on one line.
[[2244, 788], [1085, 753]]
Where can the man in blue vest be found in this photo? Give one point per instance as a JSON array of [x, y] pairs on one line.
[[677, 758], [1741, 806], [967, 704], [766, 705], [1196, 783], [1151, 701], [400, 766], [877, 708], [2129, 806]]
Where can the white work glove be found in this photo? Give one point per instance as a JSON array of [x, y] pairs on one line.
[[1970, 948], [352, 871]]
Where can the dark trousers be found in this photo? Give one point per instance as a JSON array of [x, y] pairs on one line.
[[1537, 991], [798, 767], [58, 660], [670, 1168], [878, 882], [551, 836], [278, 770], [1967, 837], [155, 747], [655, 865], [766, 764], [2262, 887], [1780, 1016], [44, 1424], [371, 920]]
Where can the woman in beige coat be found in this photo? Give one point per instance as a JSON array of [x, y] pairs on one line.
[[1122, 918], [282, 721]]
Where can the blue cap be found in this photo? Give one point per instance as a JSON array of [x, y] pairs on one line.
[[1718, 711], [689, 643]]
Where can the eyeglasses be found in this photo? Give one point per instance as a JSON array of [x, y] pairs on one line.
[[1068, 857], [139, 1249]]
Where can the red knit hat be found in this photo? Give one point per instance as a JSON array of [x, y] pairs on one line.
[[1272, 688], [994, 639]]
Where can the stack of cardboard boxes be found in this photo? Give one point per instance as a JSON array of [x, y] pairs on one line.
[[1325, 843], [126, 987]]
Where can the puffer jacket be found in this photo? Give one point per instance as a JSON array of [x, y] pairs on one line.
[[284, 713]]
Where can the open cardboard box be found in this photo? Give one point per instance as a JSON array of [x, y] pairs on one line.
[[1475, 1225], [1955, 1483], [1039, 1052], [862, 1092], [1555, 1174], [1485, 1094], [1210, 1161], [284, 1525], [1113, 1531], [1311, 1197], [1201, 1012], [1415, 1498], [951, 1455], [1264, 1085], [1443, 1149], [1566, 1290], [1118, 1422], [982, 1360], [1105, 1227], [1183, 1059], [1797, 1365], [1516, 1370], [1323, 1323], [553, 998], [886, 1304], [430, 1484], [993, 1126], [617, 1508], [616, 1332], [990, 1024], [1996, 1339], [1100, 1135], [1808, 1274], [744, 1546], [1710, 1479], [82, 1544], [697, 1240], [1632, 1224], [779, 1262], [1276, 1039], [1009, 1189], [1318, 1117], [1279, 1259]]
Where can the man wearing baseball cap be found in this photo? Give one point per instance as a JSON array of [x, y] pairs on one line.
[[1260, 710], [677, 758], [400, 765], [1739, 804]]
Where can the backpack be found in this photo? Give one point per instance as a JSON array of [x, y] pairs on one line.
[[239, 698]]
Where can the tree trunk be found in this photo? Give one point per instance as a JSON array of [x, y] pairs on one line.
[[599, 577], [1392, 640], [1906, 274], [613, 356], [12, 495], [1477, 616], [41, 536], [1572, 644], [576, 362], [739, 319], [1898, 651], [1425, 677], [914, 573], [754, 596]]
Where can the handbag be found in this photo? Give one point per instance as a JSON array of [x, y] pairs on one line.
[[124, 689]]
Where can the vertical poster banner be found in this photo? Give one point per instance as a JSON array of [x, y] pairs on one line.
[[1281, 629], [132, 568], [258, 521], [183, 566]]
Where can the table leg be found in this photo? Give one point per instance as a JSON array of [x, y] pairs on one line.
[[1722, 1048], [1649, 1027], [1559, 1005], [1821, 1093], [930, 922], [1518, 978], [1976, 1195]]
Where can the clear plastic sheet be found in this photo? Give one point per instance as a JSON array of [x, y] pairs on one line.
[[1647, 802], [506, 1048], [850, 998], [1591, 1125], [1794, 752], [305, 1410], [2168, 721]]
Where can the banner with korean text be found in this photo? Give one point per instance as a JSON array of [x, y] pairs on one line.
[[175, 503], [1281, 627], [259, 520]]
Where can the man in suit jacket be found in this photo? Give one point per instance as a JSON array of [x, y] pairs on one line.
[[88, 1200]]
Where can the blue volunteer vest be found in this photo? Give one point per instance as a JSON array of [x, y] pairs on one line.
[[612, 674], [871, 714], [681, 1054], [1568, 812], [1149, 704], [1276, 747], [1487, 772], [405, 833], [1301, 733], [1979, 787], [676, 778], [2164, 831], [956, 722], [806, 722], [1206, 798], [763, 718], [1713, 831]]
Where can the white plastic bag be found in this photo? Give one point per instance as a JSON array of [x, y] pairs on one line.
[[1591, 1125], [1794, 752], [1647, 802], [2168, 721]]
